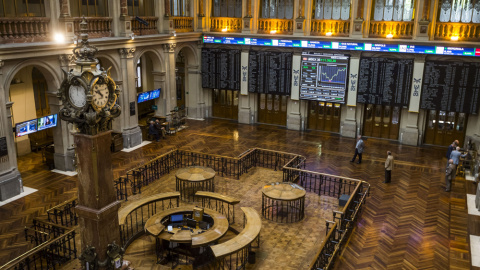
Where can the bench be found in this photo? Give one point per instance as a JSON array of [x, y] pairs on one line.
[[40, 139], [216, 201], [132, 218], [241, 242]]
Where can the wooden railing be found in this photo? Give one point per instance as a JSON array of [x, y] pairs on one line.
[[140, 29], [397, 29], [464, 31], [336, 27], [280, 26], [183, 24], [223, 204], [47, 255], [24, 29], [64, 213], [217, 24], [97, 26]]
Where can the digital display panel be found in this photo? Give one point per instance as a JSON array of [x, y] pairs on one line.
[[144, 96], [26, 128], [45, 122], [176, 218], [221, 68], [352, 46], [324, 77]]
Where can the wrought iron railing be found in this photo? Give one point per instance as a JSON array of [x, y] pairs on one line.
[[41, 231], [64, 213]]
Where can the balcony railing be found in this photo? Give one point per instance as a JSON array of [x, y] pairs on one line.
[[337, 28], [24, 29], [141, 29], [183, 24], [280, 26], [217, 24], [97, 26], [402, 29], [464, 31]]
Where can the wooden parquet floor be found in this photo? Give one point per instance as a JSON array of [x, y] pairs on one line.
[[411, 223]]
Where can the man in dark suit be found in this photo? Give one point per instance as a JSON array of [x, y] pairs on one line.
[[160, 128], [449, 175], [152, 130], [451, 147]]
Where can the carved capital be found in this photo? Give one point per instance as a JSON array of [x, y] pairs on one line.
[[126, 52], [66, 60], [169, 47], [119, 83]]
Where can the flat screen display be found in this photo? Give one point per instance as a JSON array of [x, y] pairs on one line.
[[48, 121], [324, 77], [176, 218], [26, 128], [155, 94], [142, 97]]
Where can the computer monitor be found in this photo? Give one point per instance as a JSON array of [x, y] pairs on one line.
[[192, 223], [176, 218], [25, 128], [47, 122]]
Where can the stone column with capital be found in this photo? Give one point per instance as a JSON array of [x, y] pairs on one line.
[[294, 119], [159, 82], [170, 84], [194, 93], [10, 179], [349, 125], [131, 132], [246, 115]]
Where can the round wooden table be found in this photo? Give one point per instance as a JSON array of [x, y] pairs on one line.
[[283, 202], [189, 180]]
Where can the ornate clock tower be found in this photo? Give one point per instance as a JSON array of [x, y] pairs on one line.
[[89, 97]]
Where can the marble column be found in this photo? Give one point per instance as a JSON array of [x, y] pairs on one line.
[[10, 179], [132, 135], [159, 82], [410, 134], [194, 93], [170, 84], [349, 126], [294, 118], [245, 113]]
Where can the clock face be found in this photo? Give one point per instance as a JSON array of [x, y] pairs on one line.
[[77, 96], [100, 95]]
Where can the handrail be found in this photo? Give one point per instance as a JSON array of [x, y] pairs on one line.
[[62, 204], [123, 213], [324, 243]]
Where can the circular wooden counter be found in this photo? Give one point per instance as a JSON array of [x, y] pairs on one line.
[[189, 180], [283, 202], [155, 227]]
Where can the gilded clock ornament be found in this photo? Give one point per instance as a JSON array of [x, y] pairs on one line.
[[88, 92]]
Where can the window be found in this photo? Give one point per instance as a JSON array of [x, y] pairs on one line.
[[465, 11], [141, 8], [331, 10], [89, 8], [138, 79], [180, 8], [277, 9], [393, 10], [22, 8], [227, 8]]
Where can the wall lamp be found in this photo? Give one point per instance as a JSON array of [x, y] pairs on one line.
[[174, 33], [132, 36]]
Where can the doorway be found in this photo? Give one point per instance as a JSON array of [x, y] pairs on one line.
[[381, 121], [225, 104], [272, 109], [444, 127], [324, 116]]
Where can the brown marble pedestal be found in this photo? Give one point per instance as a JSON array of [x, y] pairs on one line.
[[98, 206]]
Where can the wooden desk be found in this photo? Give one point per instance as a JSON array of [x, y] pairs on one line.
[[189, 180], [155, 227], [283, 202]]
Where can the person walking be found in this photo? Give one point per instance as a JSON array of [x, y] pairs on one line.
[[455, 156], [359, 147], [388, 167], [449, 175], [152, 130]]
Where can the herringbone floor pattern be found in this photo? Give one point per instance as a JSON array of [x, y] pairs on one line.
[[408, 224]]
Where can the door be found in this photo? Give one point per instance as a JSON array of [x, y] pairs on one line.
[[381, 121], [444, 127], [272, 109], [324, 116], [225, 104]]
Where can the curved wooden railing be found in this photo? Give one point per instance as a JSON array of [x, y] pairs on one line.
[[280, 26], [464, 31], [141, 29], [97, 26], [336, 27], [183, 24], [133, 217], [217, 24], [218, 202], [24, 29], [397, 29], [233, 254]]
